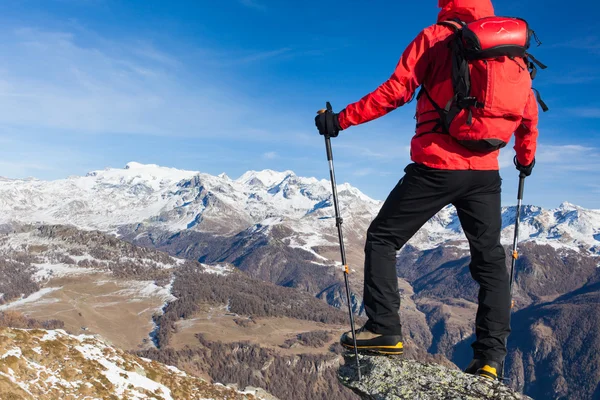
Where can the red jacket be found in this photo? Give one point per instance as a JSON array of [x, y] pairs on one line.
[[424, 63]]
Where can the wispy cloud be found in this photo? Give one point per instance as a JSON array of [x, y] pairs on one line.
[[50, 80], [271, 155], [264, 55], [570, 158], [589, 43], [362, 172], [586, 112], [594, 187], [241, 58], [556, 159], [375, 150], [16, 168], [575, 77], [562, 173], [253, 4]]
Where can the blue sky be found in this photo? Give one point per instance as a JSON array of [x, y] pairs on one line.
[[233, 85]]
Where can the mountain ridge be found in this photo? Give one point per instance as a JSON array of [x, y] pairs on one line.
[[172, 200]]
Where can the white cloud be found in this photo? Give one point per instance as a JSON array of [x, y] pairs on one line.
[[586, 112], [590, 43], [79, 82], [265, 55], [270, 155], [569, 157], [364, 172], [594, 187], [385, 149], [18, 168], [253, 4]]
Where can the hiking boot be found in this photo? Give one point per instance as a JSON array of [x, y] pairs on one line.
[[487, 369], [369, 342]]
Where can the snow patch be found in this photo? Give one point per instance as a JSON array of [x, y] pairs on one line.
[[31, 298], [138, 290], [50, 335], [48, 271], [217, 269], [122, 379], [16, 352]]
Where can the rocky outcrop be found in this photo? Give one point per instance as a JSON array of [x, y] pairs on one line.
[[51, 364], [393, 378]]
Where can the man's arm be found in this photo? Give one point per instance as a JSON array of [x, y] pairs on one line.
[[396, 91], [527, 133]]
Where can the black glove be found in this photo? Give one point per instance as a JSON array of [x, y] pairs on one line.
[[328, 124], [525, 170]]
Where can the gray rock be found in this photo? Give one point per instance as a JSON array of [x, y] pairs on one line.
[[393, 378]]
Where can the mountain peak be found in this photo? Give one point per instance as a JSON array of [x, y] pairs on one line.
[[137, 165], [565, 205], [139, 172], [267, 177]]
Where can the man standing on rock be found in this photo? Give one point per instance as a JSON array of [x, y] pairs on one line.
[[455, 161]]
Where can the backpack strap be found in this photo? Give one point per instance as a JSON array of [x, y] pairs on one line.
[[531, 63], [536, 61], [461, 83], [539, 100], [440, 121], [454, 24]]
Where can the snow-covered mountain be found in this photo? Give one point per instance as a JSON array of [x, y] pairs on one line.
[[260, 223], [154, 197]]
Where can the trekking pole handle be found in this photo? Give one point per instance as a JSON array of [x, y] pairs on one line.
[[327, 137], [522, 177], [324, 110]]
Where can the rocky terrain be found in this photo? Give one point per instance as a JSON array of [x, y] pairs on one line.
[[50, 364], [392, 378]]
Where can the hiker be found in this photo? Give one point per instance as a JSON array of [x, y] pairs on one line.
[[455, 161]]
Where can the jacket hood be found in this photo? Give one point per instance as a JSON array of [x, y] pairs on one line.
[[465, 10]]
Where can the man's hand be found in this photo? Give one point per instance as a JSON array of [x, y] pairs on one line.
[[524, 169], [327, 123]]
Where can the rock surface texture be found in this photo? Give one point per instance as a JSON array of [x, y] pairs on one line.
[[392, 378]]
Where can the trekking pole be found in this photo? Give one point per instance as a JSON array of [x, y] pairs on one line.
[[338, 223], [515, 253]]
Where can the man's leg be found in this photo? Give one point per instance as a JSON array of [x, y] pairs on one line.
[[480, 216], [417, 197]]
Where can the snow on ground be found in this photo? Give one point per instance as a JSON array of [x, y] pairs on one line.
[[121, 378], [16, 352], [138, 290], [217, 269], [34, 297], [52, 335], [175, 262], [47, 271]]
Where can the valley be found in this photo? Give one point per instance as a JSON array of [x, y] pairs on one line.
[[225, 278]]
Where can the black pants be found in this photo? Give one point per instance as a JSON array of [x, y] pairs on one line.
[[419, 196]]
